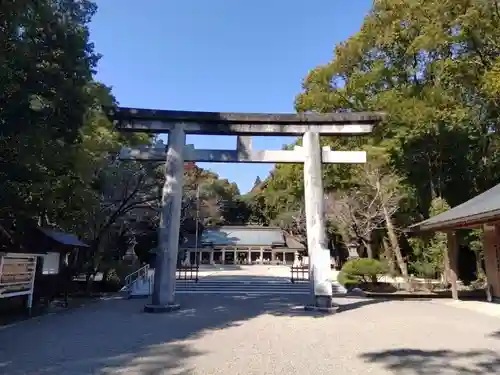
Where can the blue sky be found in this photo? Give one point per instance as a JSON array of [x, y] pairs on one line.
[[219, 55]]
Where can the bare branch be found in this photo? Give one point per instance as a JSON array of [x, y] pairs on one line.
[[355, 213]]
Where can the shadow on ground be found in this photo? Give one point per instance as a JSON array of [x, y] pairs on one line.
[[495, 335], [432, 362], [115, 336]]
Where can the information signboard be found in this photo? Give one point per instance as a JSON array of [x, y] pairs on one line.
[[17, 275]]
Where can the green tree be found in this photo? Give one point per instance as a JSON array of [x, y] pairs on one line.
[[431, 253], [46, 65], [432, 66]]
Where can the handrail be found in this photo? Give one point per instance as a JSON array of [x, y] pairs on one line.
[[299, 273], [141, 273]]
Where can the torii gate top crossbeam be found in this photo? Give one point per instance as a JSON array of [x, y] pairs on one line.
[[220, 123]]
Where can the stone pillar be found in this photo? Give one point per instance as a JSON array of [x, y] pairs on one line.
[[452, 259], [211, 257], [163, 298], [244, 147], [317, 246]]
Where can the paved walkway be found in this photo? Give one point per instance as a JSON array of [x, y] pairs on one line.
[[255, 335], [483, 307]]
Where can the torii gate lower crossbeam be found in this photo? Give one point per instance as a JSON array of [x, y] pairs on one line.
[[311, 154]]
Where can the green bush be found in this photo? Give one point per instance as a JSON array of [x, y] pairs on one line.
[[347, 281], [427, 270], [114, 276], [124, 269], [362, 270], [113, 282]]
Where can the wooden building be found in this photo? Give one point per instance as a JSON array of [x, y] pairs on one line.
[[32, 262], [242, 245], [480, 212]]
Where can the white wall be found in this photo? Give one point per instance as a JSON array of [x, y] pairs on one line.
[[51, 264]]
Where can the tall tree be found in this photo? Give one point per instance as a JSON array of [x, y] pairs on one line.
[[433, 67], [46, 65]]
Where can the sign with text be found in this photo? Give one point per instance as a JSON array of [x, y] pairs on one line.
[[17, 274]]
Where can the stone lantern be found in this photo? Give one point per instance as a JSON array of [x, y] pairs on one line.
[[352, 248]]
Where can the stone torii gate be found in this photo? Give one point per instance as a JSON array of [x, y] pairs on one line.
[[244, 125]]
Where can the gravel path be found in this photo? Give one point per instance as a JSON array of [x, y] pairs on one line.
[[255, 335]]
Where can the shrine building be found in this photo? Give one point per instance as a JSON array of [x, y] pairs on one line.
[[242, 245]]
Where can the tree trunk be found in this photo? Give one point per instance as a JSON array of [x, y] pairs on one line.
[[389, 255], [480, 272], [446, 268], [479, 256], [395, 243], [369, 254], [369, 249], [89, 279], [92, 271]]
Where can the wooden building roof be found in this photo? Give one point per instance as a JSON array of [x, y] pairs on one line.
[[244, 236], [482, 209]]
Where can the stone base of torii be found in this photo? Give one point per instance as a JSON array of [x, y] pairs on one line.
[[311, 154]]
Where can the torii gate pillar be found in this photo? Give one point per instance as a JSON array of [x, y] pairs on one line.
[[244, 125], [163, 297], [317, 247]]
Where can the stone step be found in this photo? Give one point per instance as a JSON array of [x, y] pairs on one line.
[[242, 287], [241, 282], [239, 287]]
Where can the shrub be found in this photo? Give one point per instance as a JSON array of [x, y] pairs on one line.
[[124, 269], [113, 282], [114, 276], [363, 270], [347, 281], [427, 270]]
